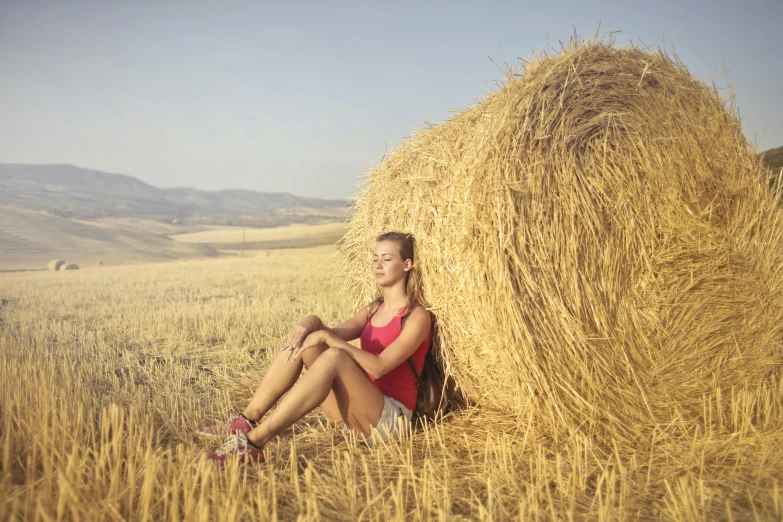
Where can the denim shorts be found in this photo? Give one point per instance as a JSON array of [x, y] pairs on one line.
[[395, 422]]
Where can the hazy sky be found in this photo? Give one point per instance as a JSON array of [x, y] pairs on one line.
[[304, 97]]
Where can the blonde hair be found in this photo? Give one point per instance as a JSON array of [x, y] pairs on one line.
[[407, 246]]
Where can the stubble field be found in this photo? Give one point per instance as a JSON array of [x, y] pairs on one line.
[[106, 372]]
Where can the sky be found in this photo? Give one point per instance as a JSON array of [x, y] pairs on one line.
[[305, 97]]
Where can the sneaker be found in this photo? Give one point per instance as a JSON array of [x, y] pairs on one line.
[[237, 446], [236, 425]]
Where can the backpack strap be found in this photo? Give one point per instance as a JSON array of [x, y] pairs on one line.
[[410, 359], [413, 369]]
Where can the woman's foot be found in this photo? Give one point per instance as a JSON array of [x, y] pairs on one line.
[[236, 425], [237, 447]]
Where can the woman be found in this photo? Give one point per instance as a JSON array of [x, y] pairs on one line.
[[371, 387]]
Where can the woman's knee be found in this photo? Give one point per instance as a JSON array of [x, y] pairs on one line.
[[310, 355], [332, 357]]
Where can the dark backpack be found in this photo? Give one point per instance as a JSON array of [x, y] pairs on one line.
[[432, 402]]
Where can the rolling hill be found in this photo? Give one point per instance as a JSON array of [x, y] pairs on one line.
[[75, 192], [772, 158], [29, 239]]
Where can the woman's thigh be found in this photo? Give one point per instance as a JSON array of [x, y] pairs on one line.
[[358, 401]]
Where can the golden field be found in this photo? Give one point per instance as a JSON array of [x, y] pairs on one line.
[[230, 238], [106, 372]]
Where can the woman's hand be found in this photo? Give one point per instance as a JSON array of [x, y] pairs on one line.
[[301, 330], [313, 339]]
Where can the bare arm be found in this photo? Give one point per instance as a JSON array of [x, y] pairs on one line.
[[417, 328], [347, 331], [350, 329]]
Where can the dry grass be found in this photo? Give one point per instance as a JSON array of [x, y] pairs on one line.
[[104, 375], [599, 244]]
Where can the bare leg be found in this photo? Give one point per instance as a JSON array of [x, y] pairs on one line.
[[359, 401], [278, 379], [329, 406]]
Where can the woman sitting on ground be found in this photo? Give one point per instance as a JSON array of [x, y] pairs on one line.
[[371, 387]]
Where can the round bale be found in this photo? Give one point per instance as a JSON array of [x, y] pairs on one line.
[[597, 241], [69, 266], [55, 264]]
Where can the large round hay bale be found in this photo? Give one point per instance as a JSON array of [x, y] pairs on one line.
[[69, 266], [55, 264], [597, 240]]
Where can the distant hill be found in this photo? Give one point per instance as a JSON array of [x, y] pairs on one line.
[[772, 158], [28, 239], [75, 192]]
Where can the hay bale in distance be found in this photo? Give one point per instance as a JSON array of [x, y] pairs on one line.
[[69, 266], [55, 264], [597, 242]]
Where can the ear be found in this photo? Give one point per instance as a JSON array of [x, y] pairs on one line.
[[407, 265]]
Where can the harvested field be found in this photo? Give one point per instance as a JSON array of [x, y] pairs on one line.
[[291, 236], [117, 390]]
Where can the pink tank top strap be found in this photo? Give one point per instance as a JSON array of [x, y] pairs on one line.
[[401, 312], [369, 316]]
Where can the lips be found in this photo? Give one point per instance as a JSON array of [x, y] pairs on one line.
[[378, 274]]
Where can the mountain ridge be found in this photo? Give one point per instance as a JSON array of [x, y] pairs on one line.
[[78, 192]]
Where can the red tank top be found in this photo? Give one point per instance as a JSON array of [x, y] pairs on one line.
[[400, 383]]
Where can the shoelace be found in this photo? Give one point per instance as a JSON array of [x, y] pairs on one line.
[[235, 444], [226, 426], [232, 419], [239, 416]]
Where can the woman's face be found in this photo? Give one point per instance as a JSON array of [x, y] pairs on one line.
[[388, 266]]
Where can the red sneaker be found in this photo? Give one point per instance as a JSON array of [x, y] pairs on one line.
[[236, 425], [237, 447]]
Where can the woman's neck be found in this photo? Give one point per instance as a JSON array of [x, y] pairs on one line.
[[395, 297]]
